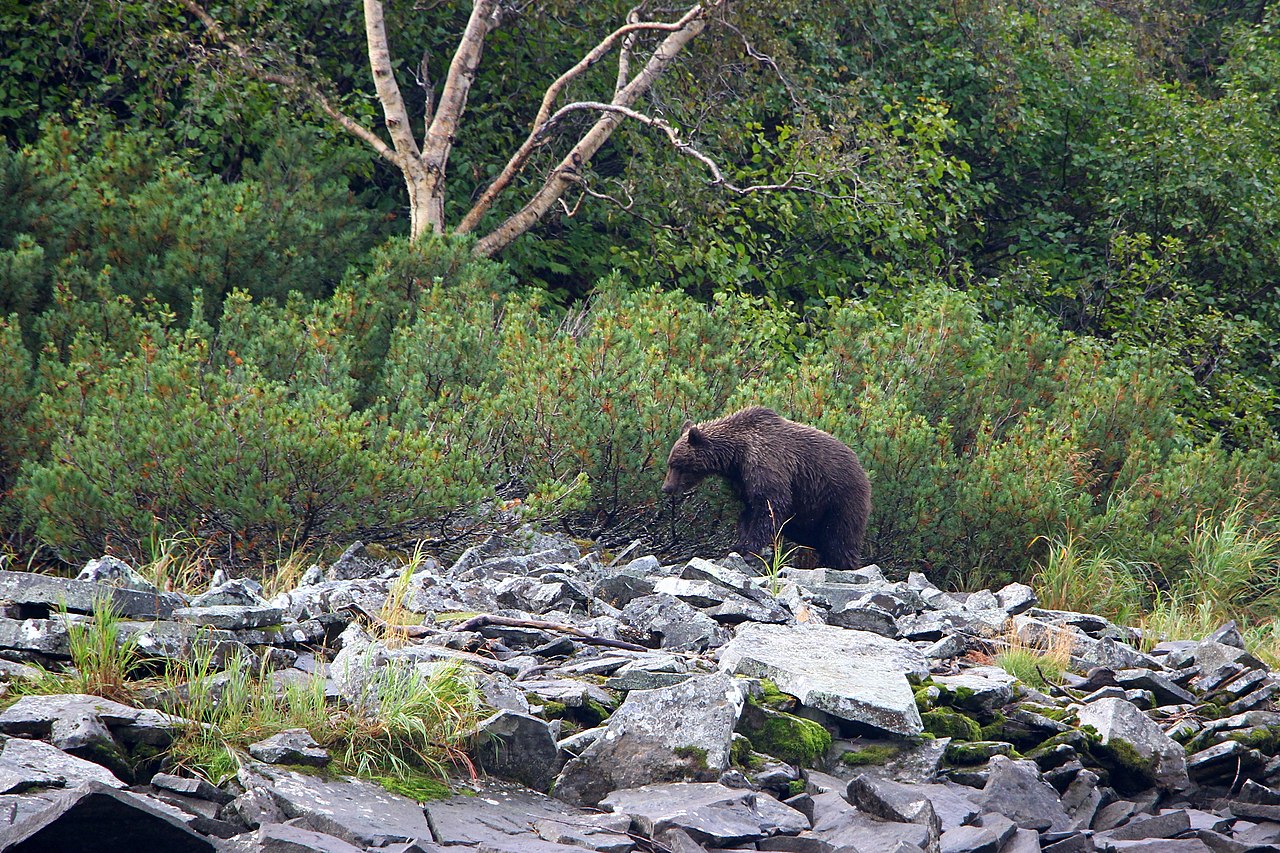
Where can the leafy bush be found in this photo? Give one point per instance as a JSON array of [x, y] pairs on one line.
[[168, 436]]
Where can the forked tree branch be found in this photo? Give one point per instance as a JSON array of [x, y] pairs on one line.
[[542, 122]]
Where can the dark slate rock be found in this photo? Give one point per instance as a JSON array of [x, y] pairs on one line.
[[1160, 845], [1114, 814], [283, 838], [1082, 798], [1166, 692], [605, 833], [525, 845], [519, 747], [356, 563], [841, 825], [1023, 841], [240, 592], [1016, 790], [1070, 844], [1164, 825], [27, 764], [854, 675], [1227, 635], [672, 624], [865, 616], [969, 839], [1016, 598], [98, 818], [46, 593], [195, 788], [291, 746], [1227, 759], [230, 617], [1165, 759], [359, 812], [709, 812], [894, 801], [495, 811], [671, 733]]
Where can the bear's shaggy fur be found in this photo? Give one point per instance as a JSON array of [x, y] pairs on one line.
[[790, 477]]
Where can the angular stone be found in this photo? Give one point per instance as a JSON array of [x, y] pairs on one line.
[[27, 764], [1165, 691], [987, 687], [709, 812], [865, 616], [1164, 758], [283, 838], [604, 833], [853, 675], [95, 816], [1164, 825], [969, 839], [671, 733], [49, 594], [291, 746], [356, 562], [240, 592], [673, 624], [1016, 790], [1016, 598], [356, 811], [519, 747], [197, 788], [493, 812], [842, 826], [111, 571], [229, 617], [896, 802]]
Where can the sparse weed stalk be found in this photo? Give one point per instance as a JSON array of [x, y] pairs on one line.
[[1072, 578], [1178, 614], [286, 573], [1038, 664], [779, 559], [395, 611], [179, 562]]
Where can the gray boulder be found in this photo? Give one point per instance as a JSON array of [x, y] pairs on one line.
[[673, 624], [519, 747], [95, 816], [27, 764], [291, 746], [853, 675], [115, 572], [709, 812], [1016, 790], [1119, 720], [667, 734], [46, 593], [240, 592]]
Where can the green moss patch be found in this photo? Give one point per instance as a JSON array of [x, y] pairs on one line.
[[787, 737], [876, 755], [946, 722]]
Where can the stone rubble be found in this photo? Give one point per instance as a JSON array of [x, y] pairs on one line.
[[819, 710]]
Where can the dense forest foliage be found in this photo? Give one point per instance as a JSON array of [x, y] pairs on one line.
[[1022, 256]]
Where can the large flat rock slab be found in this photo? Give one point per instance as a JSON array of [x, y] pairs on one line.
[[854, 675], [711, 813], [54, 593]]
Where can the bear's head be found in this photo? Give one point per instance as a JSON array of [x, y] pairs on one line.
[[690, 461]]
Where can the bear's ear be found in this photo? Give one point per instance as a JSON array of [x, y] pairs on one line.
[[686, 426], [696, 436]]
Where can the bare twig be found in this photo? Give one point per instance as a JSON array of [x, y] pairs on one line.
[[484, 619]]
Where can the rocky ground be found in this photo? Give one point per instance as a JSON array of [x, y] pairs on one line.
[[680, 707]]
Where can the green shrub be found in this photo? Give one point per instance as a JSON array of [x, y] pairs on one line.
[[15, 398], [170, 437]]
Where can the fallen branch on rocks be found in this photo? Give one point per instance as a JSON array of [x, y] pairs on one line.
[[476, 622]]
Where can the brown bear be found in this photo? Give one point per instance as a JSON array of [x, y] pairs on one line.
[[790, 478]]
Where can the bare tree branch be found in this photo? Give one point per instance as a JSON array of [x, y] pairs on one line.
[[590, 143], [542, 122], [395, 114]]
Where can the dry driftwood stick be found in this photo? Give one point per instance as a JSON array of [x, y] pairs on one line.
[[489, 619]]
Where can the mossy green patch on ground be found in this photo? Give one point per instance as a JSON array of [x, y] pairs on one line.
[[772, 697], [419, 788], [740, 751], [1129, 771], [876, 754], [947, 722], [926, 697]]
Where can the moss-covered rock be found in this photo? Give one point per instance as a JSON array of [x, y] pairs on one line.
[[787, 737], [947, 722], [976, 752], [876, 754]]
